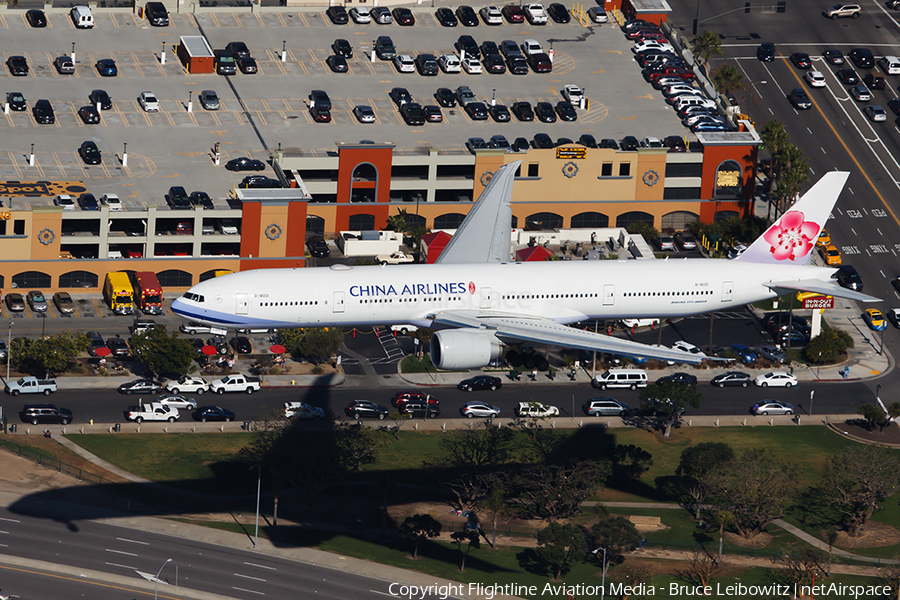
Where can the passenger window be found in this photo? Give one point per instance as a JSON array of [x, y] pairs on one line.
[[533, 170], [624, 169], [606, 170]]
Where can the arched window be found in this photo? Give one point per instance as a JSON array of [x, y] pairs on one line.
[[678, 220], [362, 222], [175, 278], [314, 224], [723, 215], [626, 219], [545, 220], [31, 279], [589, 220], [514, 222], [2, 281], [78, 279], [208, 275], [365, 172], [448, 221]]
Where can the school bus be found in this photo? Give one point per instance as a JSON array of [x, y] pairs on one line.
[[118, 293]]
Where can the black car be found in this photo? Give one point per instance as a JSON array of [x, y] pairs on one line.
[[563, 141], [318, 247], [89, 115], [682, 378], [523, 111], [421, 409], [141, 386], [219, 344], [493, 64], [433, 113], [500, 142], [247, 64], [403, 16], [558, 13], [16, 101], [847, 76], [587, 140], [427, 65], [178, 198], [445, 97], [364, 409], [224, 62], [609, 143], [566, 111], [43, 112], [202, 199], [517, 65], [834, 56], [342, 47], [862, 58], [320, 100], [630, 143], [157, 14], [467, 44], [848, 277], [540, 63], [238, 49], [118, 346], [499, 113], [242, 163], [488, 47], [35, 413], [100, 97], [400, 96], [874, 82], [258, 182], [338, 15], [801, 60], [732, 378], [766, 52], [467, 16], [36, 18], [481, 382], [545, 112], [800, 99], [337, 64], [446, 17], [520, 144], [90, 153], [18, 65], [894, 105], [215, 413], [241, 345], [477, 111], [413, 114], [542, 140], [107, 68]]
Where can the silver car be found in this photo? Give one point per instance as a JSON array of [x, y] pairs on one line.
[[36, 301], [479, 409], [772, 407], [382, 15], [771, 353], [177, 401], [209, 100], [605, 407]]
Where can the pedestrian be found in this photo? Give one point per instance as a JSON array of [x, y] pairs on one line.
[[231, 362]]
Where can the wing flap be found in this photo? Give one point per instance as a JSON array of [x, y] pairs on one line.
[[820, 287], [511, 328]]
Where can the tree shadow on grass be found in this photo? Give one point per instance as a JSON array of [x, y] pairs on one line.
[[531, 562]]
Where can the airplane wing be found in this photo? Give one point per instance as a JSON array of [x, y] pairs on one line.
[[484, 235], [820, 287], [511, 328]]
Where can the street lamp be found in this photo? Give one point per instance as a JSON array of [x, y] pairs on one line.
[[156, 590], [73, 51], [8, 349], [603, 581], [258, 487]]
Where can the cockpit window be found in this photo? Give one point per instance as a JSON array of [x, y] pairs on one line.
[[194, 297]]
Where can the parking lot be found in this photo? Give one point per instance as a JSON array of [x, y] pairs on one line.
[[262, 111]]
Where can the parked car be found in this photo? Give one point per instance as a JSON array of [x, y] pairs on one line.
[[731, 378], [365, 409], [213, 413], [682, 378], [605, 407], [771, 353], [64, 303], [772, 407], [36, 301], [140, 386], [302, 410], [744, 353], [479, 409], [188, 383], [176, 400], [480, 382], [776, 379]]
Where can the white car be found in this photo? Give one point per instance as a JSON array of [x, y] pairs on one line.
[[228, 226], [530, 47], [776, 379], [148, 102], [404, 63], [633, 323], [472, 66], [449, 63], [360, 14], [772, 407], [573, 94], [597, 14], [652, 45], [112, 201], [176, 401], [815, 79], [491, 15], [302, 410], [535, 14], [394, 258], [875, 113], [66, 201], [889, 64], [686, 347], [679, 88], [195, 385], [536, 410], [684, 94]]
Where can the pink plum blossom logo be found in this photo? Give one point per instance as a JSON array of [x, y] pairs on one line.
[[792, 237], [471, 287]]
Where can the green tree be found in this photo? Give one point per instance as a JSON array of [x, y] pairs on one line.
[[668, 401], [399, 222], [706, 46], [644, 229], [469, 537], [419, 528], [873, 415], [357, 445], [493, 504], [316, 344], [560, 547], [476, 447], [722, 519], [631, 461], [828, 347], [555, 491], [858, 481], [696, 463], [617, 535], [793, 173], [163, 353], [47, 355], [728, 79]]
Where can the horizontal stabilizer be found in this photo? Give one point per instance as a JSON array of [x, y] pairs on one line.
[[820, 287]]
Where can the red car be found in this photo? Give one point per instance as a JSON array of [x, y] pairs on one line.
[[320, 115], [641, 31], [671, 72], [402, 398], [513, 13]]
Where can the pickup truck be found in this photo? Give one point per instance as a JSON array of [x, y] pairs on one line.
[[235, 383], [155, 411], [394, 258], [30, 385], [536, 410]]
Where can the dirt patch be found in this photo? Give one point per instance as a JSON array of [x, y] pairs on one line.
[[760, 540], [874, 535], [857, 427]]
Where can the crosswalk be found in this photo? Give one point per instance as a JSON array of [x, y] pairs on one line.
[[389, 344]]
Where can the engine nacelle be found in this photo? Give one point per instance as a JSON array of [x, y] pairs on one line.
[[463, 349]]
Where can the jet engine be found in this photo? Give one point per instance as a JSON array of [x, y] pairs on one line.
[[463, 349]]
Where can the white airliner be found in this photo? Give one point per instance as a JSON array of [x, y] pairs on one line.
[[479, 301]]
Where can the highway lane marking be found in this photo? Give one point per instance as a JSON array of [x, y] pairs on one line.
[[122, 566], [133, 541], [248, 591], [260, 566], [250, 577], [121, 552], [381, 593], [84, 581], [10, 520]]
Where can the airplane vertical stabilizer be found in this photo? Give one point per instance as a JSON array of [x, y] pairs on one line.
[[793, 236], [484, 235]]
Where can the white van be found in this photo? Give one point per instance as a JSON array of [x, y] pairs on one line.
[[82, 17], [621, 378]]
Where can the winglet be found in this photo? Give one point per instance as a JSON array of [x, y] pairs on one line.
[[484, 235], [792, 238]]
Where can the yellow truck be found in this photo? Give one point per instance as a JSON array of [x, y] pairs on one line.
[[118, 293]]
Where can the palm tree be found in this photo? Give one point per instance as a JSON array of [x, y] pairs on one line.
[[706, 46], [398, 222], [728, 79]]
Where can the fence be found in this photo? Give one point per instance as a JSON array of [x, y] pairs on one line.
[[49, 461]]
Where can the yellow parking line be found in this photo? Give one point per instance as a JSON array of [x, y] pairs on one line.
[[281, 19], [303, 18], [236, 20], [114, 20], [12, 161], [261, 118], [3, 21], [214, 19], [137, 64], [169, 116], [259, 20]]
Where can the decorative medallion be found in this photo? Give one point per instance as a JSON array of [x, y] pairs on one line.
[[471, 287], [46, 236], [486, 177], [570, 169], [651, 177], [273, 232]]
